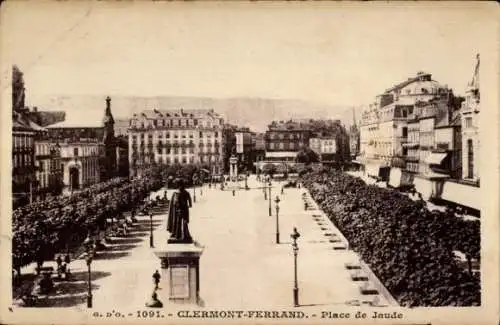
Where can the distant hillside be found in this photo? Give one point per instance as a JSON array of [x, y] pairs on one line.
[[255, 113]]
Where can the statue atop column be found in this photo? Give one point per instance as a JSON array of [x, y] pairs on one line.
[[178, 215]]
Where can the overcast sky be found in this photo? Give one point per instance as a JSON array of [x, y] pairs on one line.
[[334, 55]]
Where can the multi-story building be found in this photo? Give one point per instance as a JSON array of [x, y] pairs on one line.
[[419, 103], [412, 145], [470, 128], [23, 158], [433, 142], [80, 162], [48, 171], [285, 139], [258, 149], [88, 150], [81, 152], [175, 137], [325, 147]]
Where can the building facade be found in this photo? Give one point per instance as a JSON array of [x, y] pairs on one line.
[[398, 128], [470, 128], [285, 139], [175, 137], [325, 148], [48, 167], [80, 163], [88, 150], [23, 159]]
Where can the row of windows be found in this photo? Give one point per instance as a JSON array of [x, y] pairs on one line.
[[177, 135], [175, 123], [21, 160], [175, 145], [284, 135], [284, 146], [182, 150], [413, 167], [176, 142], [48, 165], [184, 160], [46, 149], [85, 151], [22, 140]]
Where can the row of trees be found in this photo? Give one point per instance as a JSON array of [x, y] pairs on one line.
[[47, 227], [409, 248]]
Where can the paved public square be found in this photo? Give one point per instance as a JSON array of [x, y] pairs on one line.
[[241, 266]]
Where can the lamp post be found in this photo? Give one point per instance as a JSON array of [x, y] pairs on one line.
[[151, 243], [264, 190], [88, 243], [295, 235], [277, 201], [194, 189], [270, 184]]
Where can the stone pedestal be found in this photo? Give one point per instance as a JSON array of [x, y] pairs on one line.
[[180, 272]]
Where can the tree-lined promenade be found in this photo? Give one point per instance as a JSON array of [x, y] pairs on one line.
[[45, 228], [409, 248]]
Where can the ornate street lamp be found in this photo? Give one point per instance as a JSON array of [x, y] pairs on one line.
[[151, 243], [270, 185], [277, 201], [295, 235], [88, 243]]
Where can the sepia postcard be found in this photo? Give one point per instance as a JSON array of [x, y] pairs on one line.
[[253, 162]]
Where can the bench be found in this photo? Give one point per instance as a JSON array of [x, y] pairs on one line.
[[45, 269], [30, 300], [352, 266], [357, 275], [368, 289]]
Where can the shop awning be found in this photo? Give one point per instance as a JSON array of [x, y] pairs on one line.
[[435, 158], [410, 145], [281, 154]]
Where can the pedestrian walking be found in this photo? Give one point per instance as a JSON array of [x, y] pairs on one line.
[[59, 265], [156, 279]]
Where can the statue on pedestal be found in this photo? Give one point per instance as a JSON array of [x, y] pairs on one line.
[[178, 216]]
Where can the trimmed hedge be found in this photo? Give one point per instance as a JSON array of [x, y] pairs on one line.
[[408, 247]]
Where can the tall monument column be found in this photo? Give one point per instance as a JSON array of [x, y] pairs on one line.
[[109, 142]]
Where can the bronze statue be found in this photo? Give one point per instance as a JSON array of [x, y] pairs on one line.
[[178, 216]]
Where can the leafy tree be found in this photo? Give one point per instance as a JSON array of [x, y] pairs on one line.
[[307, 156]]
